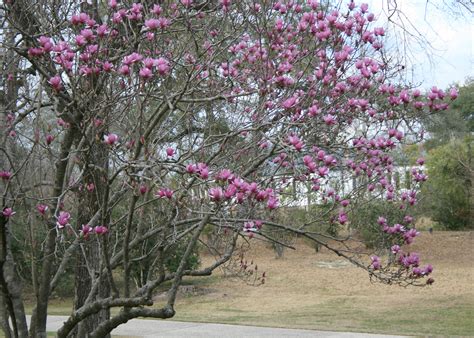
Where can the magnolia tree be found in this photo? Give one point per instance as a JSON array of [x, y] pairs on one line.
[[129, 128]]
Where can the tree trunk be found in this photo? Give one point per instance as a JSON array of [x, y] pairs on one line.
[[11, 302], [88, 259]]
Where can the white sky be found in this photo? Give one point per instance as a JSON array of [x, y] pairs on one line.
[[452, 40]]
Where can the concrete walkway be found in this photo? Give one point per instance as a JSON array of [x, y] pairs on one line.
[[166, 328]]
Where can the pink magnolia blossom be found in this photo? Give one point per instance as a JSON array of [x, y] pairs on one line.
[[132, 58], [49, 139], [248, 226], [191, 168], [216, 194], [453, 93], [110, 139], [81, 40], [118, 16], [80, 18], [395, 249], [342, 218], [143, 189], [224, 175], [86, 230], [203, 170], [34, 51], [145, 73], [314, 4], [42, 208], [124, 70], [289, 103], [295, 142], [107, 66], [46, 43], [5, 175], [230, 191], [152, 24], [410, 235], [329, 119], [379, 31], [164, 22], [272, 203], [157, 9], [150, 36], [186, 3], [162, 66], [225, 4], [101, 230], [399, 135], [63, 219], [149, 62], [8, 212], [165, 193], [240, 197], [88, 34], [392, 132], [135, 13], [323, 171], [55, 82], [102, 31], [261, 195], [376, 263], [170, 152], [428, 269], [418, 272]]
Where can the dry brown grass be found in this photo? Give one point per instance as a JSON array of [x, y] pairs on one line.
[[300, 292]]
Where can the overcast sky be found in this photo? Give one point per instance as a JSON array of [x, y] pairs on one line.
[[452, 40]]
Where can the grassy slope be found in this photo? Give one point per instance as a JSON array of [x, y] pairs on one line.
[[299, 293], [302, 292]]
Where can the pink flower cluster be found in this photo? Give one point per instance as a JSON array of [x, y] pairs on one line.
[[407, 261], [340, 87], [201, 169], [86, 230], [88, 43], [236, 189], [165, 193], [252, 227]]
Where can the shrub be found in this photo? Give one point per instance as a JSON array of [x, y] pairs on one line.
[[364, 220], [175, 254], [449, 188]]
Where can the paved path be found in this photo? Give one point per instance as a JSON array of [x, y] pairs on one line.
[[165, 328]]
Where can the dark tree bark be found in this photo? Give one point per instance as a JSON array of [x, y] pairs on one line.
[[88, 266], [11, 302]]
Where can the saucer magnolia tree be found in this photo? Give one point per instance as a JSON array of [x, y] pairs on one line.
[[127, 128]]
